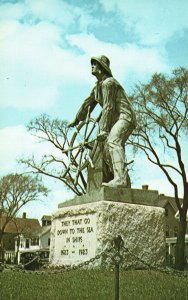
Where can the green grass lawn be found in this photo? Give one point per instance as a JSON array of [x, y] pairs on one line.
[[92, 285]]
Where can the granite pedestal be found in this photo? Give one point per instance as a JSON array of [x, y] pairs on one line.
[[85, 226]]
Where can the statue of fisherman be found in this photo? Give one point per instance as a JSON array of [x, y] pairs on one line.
[[118, 117]]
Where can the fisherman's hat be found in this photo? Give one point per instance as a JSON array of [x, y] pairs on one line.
[[104, 62]]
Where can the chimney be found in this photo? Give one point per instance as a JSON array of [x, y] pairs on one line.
[[145, 187], [24, 215]]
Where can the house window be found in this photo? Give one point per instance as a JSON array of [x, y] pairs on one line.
[[34, 241], [167, 231], [21, 243], [43, 223], [27, 243], [46, 222], [176, 231], [49, 242]]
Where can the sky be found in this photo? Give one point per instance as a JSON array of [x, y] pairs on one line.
[[45, 51]]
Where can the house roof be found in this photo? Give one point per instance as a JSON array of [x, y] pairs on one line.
[[46, 217], [26, 226], [164, 200], [162, 203]]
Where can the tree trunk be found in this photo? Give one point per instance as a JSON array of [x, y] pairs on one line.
[[1, 247], [180, 245], [17, 250]]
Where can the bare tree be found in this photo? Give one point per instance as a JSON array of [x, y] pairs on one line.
[[16, 190], [60, 162], [162, 107]]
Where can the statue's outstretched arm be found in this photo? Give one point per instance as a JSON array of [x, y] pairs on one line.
[[83, 111]]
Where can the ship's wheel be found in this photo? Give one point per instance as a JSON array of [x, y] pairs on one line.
[[82, 146]]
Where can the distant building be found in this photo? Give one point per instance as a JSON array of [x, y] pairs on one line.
[[20, 234], [41, 241], [25, 234], [46, 220], [44, 237], [171, 220], [171, 224], [45, 232]]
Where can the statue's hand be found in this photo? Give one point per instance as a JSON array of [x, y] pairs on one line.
[[73, 123], [102, 136]]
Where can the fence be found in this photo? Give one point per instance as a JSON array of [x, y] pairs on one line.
[[116, 253], [9, 256]]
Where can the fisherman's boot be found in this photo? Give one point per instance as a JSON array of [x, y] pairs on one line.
[[119, 169]]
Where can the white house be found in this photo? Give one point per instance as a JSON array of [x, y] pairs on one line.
[[44, 237], [38, 239]]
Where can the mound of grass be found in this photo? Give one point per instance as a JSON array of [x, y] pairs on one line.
[[92, 285]]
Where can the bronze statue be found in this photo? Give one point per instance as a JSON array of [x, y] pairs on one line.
[[118, 118]]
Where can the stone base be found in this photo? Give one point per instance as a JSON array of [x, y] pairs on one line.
[[116, 194], [81, 232]]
